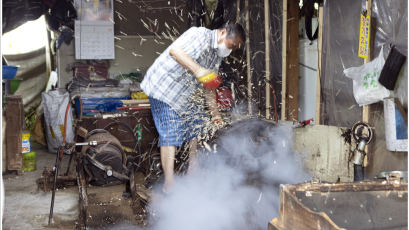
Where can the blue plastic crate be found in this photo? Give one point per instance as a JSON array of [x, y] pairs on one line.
[[108, 104], [9, 72]]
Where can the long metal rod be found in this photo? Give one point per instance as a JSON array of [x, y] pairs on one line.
[[53, 194], [60, 154], [267, 60], [248, 58]]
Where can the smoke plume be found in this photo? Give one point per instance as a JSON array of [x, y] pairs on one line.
[[236, 186]]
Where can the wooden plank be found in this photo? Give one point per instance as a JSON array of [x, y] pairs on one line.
[[248, 58], [49, 57], [267, 61], [319, 70], [3, 147], [238, 11], [135, 101], [290, 60], [352, 187], [14, 129], [366, 108], [284, 79]]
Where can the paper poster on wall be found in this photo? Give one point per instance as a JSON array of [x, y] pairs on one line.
[[94, 40], [94, 31], [364, 36]]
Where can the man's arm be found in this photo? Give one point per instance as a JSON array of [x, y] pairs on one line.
[[187, 62]]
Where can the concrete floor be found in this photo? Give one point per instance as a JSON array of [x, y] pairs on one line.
[[27, 207]]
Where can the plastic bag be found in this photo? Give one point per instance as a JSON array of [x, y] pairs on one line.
[[366, 86], [55, 105]]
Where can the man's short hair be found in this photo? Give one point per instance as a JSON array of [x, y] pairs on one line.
[[235, 30]]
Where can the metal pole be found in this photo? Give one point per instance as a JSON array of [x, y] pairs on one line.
[[53, 194]]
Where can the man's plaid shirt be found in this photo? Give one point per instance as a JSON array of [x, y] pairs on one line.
[[168, 81]]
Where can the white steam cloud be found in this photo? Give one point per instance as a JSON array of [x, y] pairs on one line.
[[237, 187]]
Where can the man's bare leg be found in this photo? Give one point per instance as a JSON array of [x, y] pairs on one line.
[[167, 161], [193, 145]]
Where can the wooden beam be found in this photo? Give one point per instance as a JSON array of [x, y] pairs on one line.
[[49, 58], [363, 186], [284, 30], [238, 11], [319, 65], [366, 108], [14, 129], [248, 58], [290, 60], [267, 61]]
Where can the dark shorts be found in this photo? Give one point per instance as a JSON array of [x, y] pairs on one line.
[[173, 129]]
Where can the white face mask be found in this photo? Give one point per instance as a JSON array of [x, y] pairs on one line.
[[222, 50]]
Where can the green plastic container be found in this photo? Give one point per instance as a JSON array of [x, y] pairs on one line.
[[29, 161], [14, 85]]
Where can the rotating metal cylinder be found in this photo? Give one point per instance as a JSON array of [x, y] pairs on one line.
[[105, 161]]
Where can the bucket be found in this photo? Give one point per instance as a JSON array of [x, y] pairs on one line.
[[9, 72], [14, 85], [29, 161]]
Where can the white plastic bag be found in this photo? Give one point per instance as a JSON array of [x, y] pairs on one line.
[[55, 105], [366, 86]]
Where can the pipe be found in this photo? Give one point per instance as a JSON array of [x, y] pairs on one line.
[[358, 172]]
